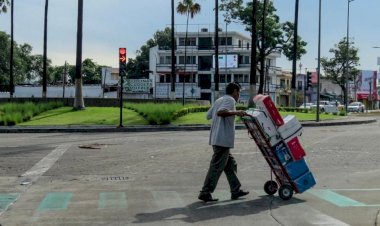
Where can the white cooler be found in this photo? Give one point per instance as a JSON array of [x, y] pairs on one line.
[[267, 126], [291, 128]]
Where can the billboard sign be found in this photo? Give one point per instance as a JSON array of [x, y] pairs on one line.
[[137, 85], [226, 61], [366, 83]]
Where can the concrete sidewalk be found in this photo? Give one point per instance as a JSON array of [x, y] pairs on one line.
[[350, 120]]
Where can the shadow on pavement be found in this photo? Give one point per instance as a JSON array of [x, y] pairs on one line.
[[200, 211]]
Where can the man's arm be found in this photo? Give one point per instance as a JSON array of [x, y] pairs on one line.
[[226, 113]]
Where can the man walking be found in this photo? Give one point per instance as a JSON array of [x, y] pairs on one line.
[[222, 138]]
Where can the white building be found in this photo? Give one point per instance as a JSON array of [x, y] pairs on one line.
[[198, 72]]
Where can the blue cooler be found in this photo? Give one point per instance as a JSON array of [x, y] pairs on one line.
[[304, 182], [282, 153], [296, 169]]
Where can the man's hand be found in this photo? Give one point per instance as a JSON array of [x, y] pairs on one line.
[[241, 113]]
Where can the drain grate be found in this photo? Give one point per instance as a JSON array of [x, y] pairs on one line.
[[115, 178]]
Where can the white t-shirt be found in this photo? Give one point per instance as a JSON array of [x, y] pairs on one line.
[[222, 128]]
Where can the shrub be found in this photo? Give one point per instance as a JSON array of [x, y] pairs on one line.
[[12, 113]]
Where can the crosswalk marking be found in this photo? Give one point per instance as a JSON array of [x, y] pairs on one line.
[[112, 200], [48, 161], [55, 201]]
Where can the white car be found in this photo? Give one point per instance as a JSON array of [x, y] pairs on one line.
[[356, 107], [325, 106], [306, 106]]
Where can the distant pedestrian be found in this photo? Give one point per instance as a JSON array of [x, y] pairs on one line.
[[222, 139]]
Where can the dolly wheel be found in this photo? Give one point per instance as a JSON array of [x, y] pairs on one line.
[[270, 187], [285, 192]]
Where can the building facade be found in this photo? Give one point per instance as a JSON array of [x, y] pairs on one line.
[[195, 66]]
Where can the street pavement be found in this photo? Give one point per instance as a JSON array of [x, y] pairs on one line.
[[153, 178]]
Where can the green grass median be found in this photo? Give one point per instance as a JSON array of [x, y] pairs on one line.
[[110, 116]]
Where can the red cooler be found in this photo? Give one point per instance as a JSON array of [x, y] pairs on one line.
[[266, 104], [295, 148]]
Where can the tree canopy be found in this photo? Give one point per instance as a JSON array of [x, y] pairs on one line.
[[278, 36], [3, 6], [335, 67], [28, 67], [137, 68]]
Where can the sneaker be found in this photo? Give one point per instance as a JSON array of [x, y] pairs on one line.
[[240, 193], [206, 197]]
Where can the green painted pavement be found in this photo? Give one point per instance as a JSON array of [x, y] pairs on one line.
[[335, 198], [112, 200], [7, 199], [55, 201]]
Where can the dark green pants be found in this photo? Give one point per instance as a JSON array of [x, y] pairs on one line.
[[222, 160]]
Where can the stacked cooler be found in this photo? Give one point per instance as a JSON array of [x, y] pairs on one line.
[[282, 135]]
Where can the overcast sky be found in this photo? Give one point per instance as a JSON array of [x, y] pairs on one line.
[[111, 24]]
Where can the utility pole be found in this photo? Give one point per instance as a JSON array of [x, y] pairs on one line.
[[216, 41]]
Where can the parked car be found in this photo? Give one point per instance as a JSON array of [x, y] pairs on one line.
[[325, 106], [338, 104], [306, 106], [356, 107]]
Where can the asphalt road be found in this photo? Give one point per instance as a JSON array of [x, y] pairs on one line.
[[154, 179]]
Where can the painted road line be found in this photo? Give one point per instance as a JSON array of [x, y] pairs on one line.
[[167, 199], [112, 200], [48, 161], [55, 201], [335, 198], [6, 199]]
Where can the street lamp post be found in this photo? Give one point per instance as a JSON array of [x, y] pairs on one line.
[[347, 54], [319, 59]]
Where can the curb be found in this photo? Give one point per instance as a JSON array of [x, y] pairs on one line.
[[112, 129]]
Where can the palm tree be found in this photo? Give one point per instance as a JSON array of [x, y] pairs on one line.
[[78, 102], [44, 75], [3, 6], [190, 9]]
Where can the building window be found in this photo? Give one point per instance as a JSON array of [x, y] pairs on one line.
[[204, 81], [239, 44], [205, 43], [282, 83], [186, 76], [165, 78], [299, 85], [244, 59], [204, 63], [165, 59], [247, 45], [223, 40], [190, 41], [241, 78], [189, 59]]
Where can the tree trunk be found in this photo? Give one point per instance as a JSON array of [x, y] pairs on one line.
[[78, 102], [262, 50], [252, 78]]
